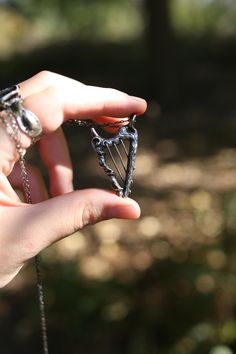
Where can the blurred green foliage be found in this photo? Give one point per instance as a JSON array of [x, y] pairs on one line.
[[77, 17], [29, 23], [204, 17]]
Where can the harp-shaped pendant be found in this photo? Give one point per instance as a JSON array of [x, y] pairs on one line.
[[117, 156]]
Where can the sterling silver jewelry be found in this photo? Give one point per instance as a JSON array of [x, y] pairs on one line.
[[7, 119], [116, 154], [28, 122], [15, 118]]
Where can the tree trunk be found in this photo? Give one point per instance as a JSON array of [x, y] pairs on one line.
[[161, 49]]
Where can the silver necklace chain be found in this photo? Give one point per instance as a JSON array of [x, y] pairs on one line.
[[89, 123], [13, 131]]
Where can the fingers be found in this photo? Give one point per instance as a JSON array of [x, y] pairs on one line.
[[55, 155], [38, 189], [49, 221], [28, 229], [59, 99], [8, 153], [55, 99], [53, 107], [7, 195], [43, 80]]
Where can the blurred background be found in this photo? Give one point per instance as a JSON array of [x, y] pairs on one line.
[[165, 284]]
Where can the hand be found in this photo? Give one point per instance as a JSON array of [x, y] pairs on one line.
[[27, 229]]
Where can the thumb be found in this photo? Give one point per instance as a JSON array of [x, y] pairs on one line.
[[61, 216]]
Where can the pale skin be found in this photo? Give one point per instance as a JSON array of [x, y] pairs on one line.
[[28, 229]]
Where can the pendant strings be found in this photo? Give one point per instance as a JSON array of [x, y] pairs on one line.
[[37, 261], [88, 123], [41, 304], [12, 129]]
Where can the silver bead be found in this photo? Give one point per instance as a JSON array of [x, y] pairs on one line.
[[29, 123]]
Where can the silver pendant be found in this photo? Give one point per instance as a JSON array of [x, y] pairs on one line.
[[113, 152]]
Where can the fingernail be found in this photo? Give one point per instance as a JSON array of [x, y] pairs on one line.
[[130, 211]]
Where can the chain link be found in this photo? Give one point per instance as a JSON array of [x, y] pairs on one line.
[[11, 126], [89, 123]]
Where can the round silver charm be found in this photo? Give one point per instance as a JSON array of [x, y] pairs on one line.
[[29, 123]]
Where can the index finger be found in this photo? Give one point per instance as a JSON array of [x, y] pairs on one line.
[[53, 106]]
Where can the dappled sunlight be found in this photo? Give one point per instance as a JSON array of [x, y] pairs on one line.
[[142, 260], [172, 175], [71, 247], [145, 164], [216, 259], [161, 250], [95, 267], [205, 283], [108, 232], [149, 227], [184, 213], [214, 173], [187, 217], [116, 311], [201, 200]]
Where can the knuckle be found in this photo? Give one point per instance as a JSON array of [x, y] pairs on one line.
[[90, 215], [47, 76], [55, 91]]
